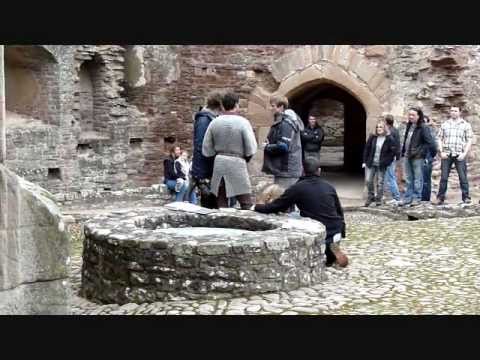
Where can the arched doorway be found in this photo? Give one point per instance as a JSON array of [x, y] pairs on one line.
[[343, 119]]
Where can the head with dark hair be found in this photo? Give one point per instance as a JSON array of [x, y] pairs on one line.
[[214, 100], [415, 116], [230, 100], [175, 151], [389, 120], [311, 165]]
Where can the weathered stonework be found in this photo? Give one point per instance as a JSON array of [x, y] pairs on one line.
[[159, 254], [141, 100], [33, 250]]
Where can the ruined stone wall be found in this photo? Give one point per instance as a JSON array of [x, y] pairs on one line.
[[142, 99], [33, 250]]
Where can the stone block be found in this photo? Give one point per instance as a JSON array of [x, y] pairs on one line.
[[327, 51], [376, 51], [317, 53]]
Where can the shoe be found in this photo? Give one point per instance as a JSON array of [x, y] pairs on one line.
[[415, 203], [467, 201], [378, 203], [439, 202], [404, 203], [393, 202], [368, 203], [341, 258]]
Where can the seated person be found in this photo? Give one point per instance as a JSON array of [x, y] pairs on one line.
[[183, 167], [171, 176], [317, 200]]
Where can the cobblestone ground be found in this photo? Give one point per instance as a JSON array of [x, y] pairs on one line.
[[396, 267]]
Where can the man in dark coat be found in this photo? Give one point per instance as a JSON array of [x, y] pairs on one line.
[[312, 138], [283, 148], [318, 200], [202, 167], [416, 145]]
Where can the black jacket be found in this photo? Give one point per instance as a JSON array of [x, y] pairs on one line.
[[169, 169], [387, 154], [395, 134], [202, 167], [316, 199], [312, 139], [421, 142]]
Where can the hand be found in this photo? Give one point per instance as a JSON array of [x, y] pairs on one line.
[[443, 155], [461, 157], [363, 166]]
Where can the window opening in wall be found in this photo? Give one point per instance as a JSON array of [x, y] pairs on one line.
[[54, 174], [136, 143], [83, 147]]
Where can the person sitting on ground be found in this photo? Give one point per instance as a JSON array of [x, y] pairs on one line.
[[379, 153], [170, 175], [318, 200], [182, 167]]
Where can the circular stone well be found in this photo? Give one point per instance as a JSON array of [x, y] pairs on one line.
[[157, 254]]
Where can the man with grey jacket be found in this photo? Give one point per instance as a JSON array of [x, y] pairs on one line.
[[283, 148], [231, 140]]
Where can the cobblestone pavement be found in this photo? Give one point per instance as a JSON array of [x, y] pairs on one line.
[[396, 267]]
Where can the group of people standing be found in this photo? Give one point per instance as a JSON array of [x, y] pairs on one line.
[[416, 151], [223, 144]]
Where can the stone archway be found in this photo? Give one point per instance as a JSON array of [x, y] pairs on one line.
[[309, 66]]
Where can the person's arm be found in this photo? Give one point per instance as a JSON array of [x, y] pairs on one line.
[[305, 136], [393, 144], [200, 130], [428, 139], [440, 136], [469, 136], [283, 203], [366, 151], [339, 208], [283, 144], [178, 170], [208, 146], [249, 141]]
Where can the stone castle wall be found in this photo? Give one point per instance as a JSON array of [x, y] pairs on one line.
[[104, 117]]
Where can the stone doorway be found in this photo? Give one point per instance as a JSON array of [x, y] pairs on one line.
[[343, 119]]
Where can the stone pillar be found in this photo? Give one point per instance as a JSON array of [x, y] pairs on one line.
[[34, 249], [3, 140]]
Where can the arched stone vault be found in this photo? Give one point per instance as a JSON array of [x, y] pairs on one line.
[[339, 65]]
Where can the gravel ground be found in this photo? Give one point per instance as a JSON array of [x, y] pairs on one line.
[[396, 267]]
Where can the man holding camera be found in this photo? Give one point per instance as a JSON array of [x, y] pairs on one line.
[[454, 142]]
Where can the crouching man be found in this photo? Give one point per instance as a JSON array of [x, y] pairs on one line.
[[317, 200]]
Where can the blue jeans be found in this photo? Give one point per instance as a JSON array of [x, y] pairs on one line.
[[180, 196], [414, 179], [427, 179], [461, 167], [391, 180]]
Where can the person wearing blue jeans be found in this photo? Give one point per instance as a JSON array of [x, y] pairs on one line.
[[416, 145], [390, 174], [181, 193], [454, 142], [171, 176], [428, 164]]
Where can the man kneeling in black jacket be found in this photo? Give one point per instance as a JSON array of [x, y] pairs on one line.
[[318, 200]]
